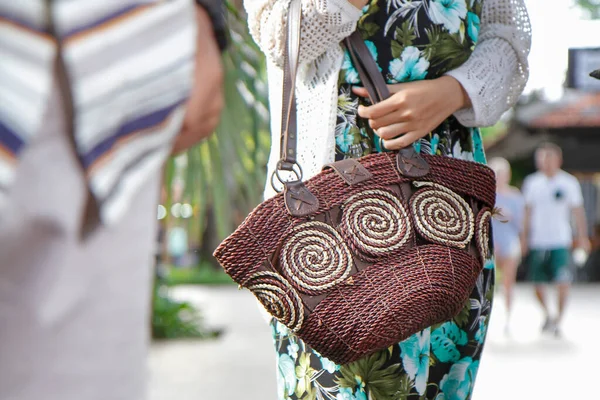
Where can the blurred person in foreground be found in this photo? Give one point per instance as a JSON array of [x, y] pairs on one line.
[[94, 96], [553, 197], [507, 230]]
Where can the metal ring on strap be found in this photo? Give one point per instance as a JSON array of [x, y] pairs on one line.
[[277, 174]]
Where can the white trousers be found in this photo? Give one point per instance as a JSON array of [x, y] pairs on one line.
[[73, 315]]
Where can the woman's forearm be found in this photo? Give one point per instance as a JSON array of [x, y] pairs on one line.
[[496, 72]]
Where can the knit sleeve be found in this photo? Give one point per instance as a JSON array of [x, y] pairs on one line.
[[495, 74], [325, 23]]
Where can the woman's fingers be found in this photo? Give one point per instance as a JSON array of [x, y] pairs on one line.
[[394, 102], [360, 91], [391, 118], [391, 131], [385, 107], [402, 141]]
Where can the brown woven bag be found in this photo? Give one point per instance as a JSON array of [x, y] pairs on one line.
[[369, 251]]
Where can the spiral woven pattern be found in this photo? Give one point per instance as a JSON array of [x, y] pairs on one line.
[[484, 219], [315, 258], [349, 298], [278, 297], [375, 222], [442, 216]]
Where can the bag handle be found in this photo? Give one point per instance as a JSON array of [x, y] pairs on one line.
[[409, 162], [370, 77], [367, 68]]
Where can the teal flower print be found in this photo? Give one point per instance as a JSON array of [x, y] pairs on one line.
[[473, 25], [415, 358], [449, 13], [489, 264], [293, 349], [327, 364], [446, 339], [281, 329], [478, 152], [411, 66], [350, 73], [435, 140], [345, 139], [480, 334], [457, 384], [373, 50], [286, 377], [347, 394]]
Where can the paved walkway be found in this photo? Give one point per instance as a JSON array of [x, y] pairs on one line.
[[240, 365]]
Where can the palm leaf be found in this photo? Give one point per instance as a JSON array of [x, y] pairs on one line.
[[224, 176]]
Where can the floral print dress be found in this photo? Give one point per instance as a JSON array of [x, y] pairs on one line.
[[410, 40]]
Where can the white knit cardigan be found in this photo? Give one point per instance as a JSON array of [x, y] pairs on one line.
[[494, 76]]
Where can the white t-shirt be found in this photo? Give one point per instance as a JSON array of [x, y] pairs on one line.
[[551, 201]]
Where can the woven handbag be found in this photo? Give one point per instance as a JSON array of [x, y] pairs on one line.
[[369, 251]]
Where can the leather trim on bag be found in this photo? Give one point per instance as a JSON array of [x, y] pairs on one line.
[[350, 170]]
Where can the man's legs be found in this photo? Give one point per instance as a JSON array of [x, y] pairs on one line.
[[563, 294], [561, 271], [538, 260], [540, 294], [73, 315]]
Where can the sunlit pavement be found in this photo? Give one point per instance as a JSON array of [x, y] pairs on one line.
[[524, 365]]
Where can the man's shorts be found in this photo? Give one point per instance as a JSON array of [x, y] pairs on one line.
[[547, 266]]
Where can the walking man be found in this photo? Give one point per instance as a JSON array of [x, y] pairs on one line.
[[553, 201]]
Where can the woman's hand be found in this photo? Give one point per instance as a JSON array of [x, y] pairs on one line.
[[359, 3], [413, 110]]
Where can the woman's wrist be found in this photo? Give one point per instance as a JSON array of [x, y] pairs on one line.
[[456, 93], [359, 3]]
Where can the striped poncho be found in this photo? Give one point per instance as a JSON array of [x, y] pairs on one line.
[[129, 67]]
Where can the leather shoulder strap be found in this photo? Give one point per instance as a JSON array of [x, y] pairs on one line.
[[289, 135], [366, 67], [364, 63]]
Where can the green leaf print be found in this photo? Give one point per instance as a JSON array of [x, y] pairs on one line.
[[450, 52], [405, 34], [368, 29], [463, 317], [396, 49], [432, 360], [406, 385], [304, 373], [461, 32], [477, 7], [372, 9], [381, 383], [434, 37]]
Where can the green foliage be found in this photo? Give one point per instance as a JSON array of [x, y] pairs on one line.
[[172, 319], [205, 274], [591, 7], [224, 176]]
